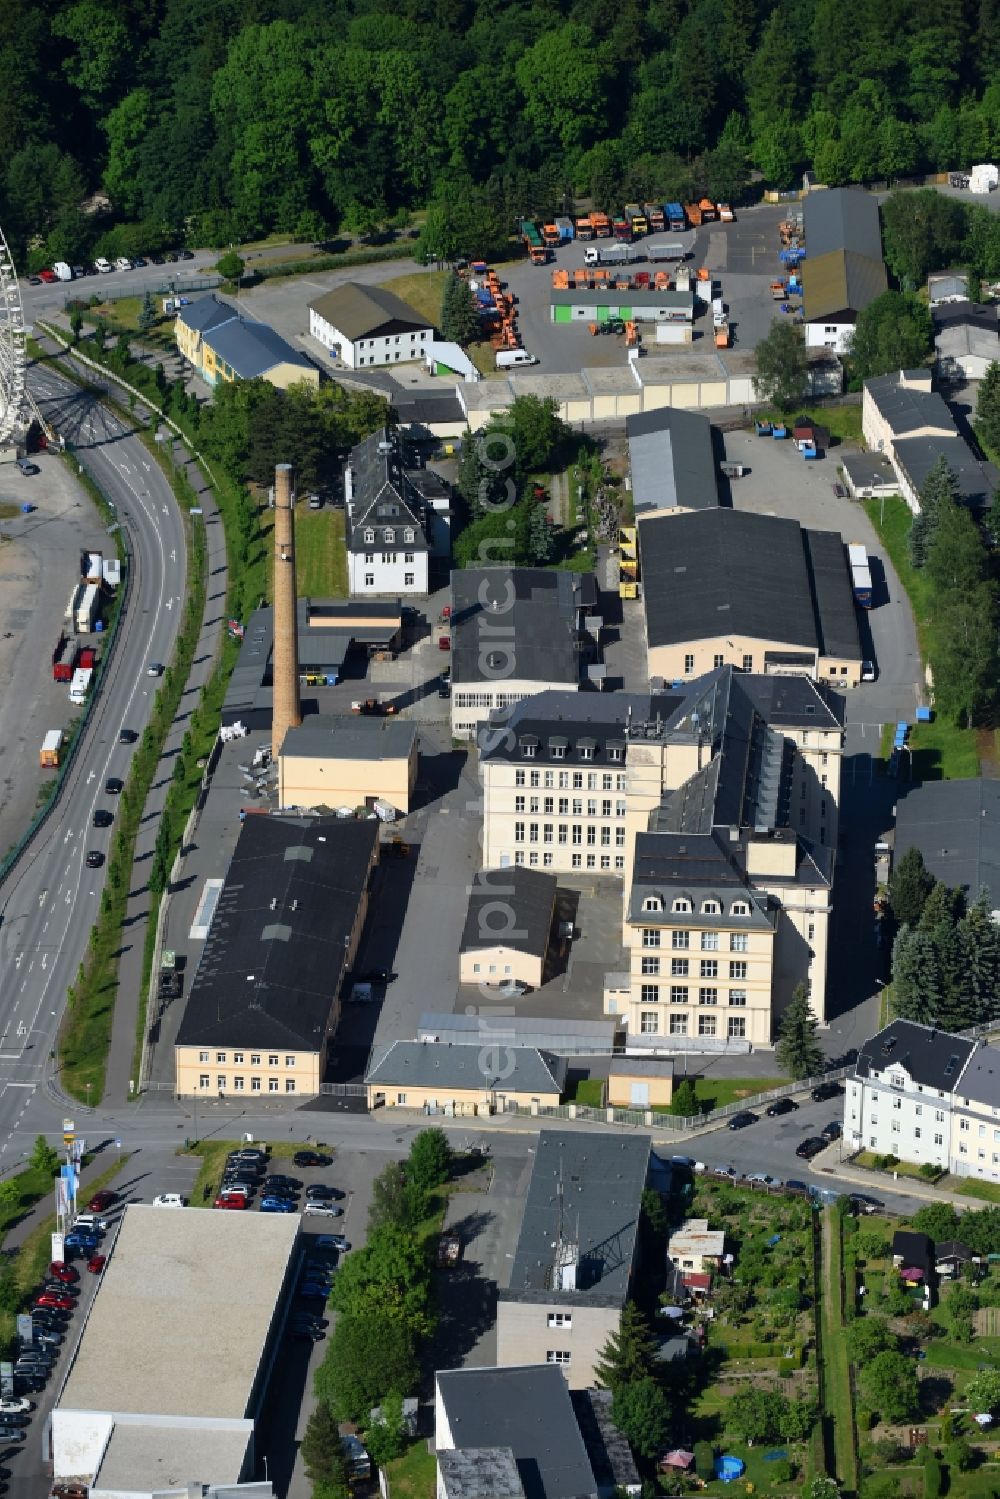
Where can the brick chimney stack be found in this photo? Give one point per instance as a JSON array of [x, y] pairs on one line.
[[287, 712]]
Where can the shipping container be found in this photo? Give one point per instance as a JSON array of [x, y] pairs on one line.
[[112, 572], [62, 660], [566, 230]]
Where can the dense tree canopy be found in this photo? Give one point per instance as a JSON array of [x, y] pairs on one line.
[[222, 122]]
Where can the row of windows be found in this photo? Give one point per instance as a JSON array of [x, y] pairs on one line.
[[239, 1084], [564, 832], [710, 907], [649, 1025], [708, 968], [680, 994], [239, 1057], [529, 749], [408, 578], [717, 661], [681, 941], [596, 780], [371, 343], [576, 861], [389, 537], [917, 1133], [548, 804], [488, 700]]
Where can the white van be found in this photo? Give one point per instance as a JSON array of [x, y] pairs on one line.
[[62, 270], [510, 358]]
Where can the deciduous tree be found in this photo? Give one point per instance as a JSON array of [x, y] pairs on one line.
[[890, 1386], [892, 333], [782, 376], [429, 1162], [368, 1357]]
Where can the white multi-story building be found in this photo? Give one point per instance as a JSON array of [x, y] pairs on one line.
[[905, 1093], [367, 326], [398, 517]]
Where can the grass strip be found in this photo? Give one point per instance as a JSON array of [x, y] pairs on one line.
[[213, 1153]]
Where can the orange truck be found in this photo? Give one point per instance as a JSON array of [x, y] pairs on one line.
[[551, 238], [708, 211], [693, 211], [585, 227], [602, 225]]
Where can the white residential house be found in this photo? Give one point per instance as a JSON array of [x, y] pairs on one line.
[[367, 326], [398, 517], [904, 1094]]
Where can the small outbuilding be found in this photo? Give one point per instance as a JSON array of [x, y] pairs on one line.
[[640, 1082], [913, 1254], [506, 936], [950, 1255], [465, 1080], [346, 762]]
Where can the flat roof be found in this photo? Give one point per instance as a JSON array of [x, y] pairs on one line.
[[612, 296], [527, 1409], [167, 1286], [956, 826], [510, 907], [826, 560], [536, 615], [144, 1455], [468, 1069], [602, 1179], [331, 737], [480, 1473]]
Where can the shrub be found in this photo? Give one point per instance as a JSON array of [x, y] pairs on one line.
[[959, 1456], [932, 1475], [929, 1170], [781, 1471]]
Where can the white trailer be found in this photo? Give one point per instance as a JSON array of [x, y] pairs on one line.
[[86, 609], [80, 685], [91, 567]]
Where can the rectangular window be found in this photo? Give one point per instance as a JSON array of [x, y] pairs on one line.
[[651, 936], [678, 994], [220, 1056], [533, 804], [710, 942], [679, 967], [560, 1319], [737, 970], [605, 837], [564, 780], [548, 805], [407, 580], [739, 942], [289, 1061], [237, 1056], [678, 1025], [519, 804], [400, 1097], [649, 1023], [619, 861], [203, 1056], [578, 780], [255, 1085], [718, 661], [237, 1084], [272, 1059], [203, 1080], [220, 1082], [738, 998], [519, 778], [688, 665], [709, 968], [605, 808], [577, 837], [591, 835], [546, 832], [650, 965], [649, 994], [748, 663], [272, 1085], [547, 861], [557, 1356], [535, 780], [681, 940], [289, 1085], [706, 1025], [576, 860], [578, 806], [519, 832], [563, 832], [737, 1027], [708, 996]]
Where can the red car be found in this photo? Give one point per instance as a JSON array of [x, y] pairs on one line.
[[96, 1263], [48, 275], [60, 1271], [56, 1303], [231, 1200], [101, 1201]]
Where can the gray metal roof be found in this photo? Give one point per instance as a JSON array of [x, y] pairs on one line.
[[842, 218], [274, 959], [981, 1078], [251, 348], [671, 460], [917, 457], [206, 312], [609, 1452], [512, 907], [641, 1067], [337, 738], [935, 1059], [906, 409], [528, 1410], [563, 1037], [532, 614], [429, 1064], [358, 311], [385, 495], [956, 826], [602, 1183], [721, 572]]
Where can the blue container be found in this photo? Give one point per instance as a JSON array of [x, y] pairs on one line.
[[925, 715], [99, 627]]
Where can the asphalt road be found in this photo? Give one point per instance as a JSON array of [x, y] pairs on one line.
[[49, 902]]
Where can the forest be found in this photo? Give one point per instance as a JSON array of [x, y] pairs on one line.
[[126, 125]]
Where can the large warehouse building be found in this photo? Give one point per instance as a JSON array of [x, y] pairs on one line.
[[171, 1376]]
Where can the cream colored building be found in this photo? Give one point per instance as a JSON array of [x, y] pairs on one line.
[[577, 1252], [756, 592], [672, 467], [640, 1082], [907, 421], [479, 1078], [265, 1002], [695, 1247], [507, 929], [348, 762], [224, 345]]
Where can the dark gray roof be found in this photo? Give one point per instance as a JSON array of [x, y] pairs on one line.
[[610, 296], [842, 218], [528, 1410], [609, 1452], [719, 572], [867, 470], [913, 1248], [952, 1249], [933, 1058], [602, 1183], [956, 826], [340, 738], [981, 1078], [671, 460], [359, 311], [274, 959], [573, 1037], [430, 1064], [826, 560], [206, 312], [510, 906], [571, 720], [794, 702], [480, 1473], [251, 348], [531, 615], [641, 1067], [982, 315], [917, 456], [385, 495], [839, 285], [907, 409]]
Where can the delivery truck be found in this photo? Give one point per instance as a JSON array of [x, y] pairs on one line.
[[91, 567], [62, 660], [861, 576], [80, 685], [48, 755], [613, 254]]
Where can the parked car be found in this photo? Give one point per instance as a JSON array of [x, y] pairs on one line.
[[17, 1404], [11, 1434], [138, 263], [311, 1158], [53, 1299], [322, 1210], [313, 1290], [320, 1193], [811, 1146], [824, 1091], [96, 1263], [233, 1200], [862, 1203], [761, 1179], [742, 1120], [127, 736], [156, 260], [48, 276], [185, 255], [103, 266], [832, 1131], [332, 1241], [277, 1205], [169, 1200], [780, 1106], [282, 1181], [59, 1270], [123, 263]]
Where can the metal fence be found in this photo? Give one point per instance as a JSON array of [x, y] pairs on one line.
[[175, 288]]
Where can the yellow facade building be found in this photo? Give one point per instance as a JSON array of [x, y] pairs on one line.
[[348, 762], [440, 1078], [222, 344]]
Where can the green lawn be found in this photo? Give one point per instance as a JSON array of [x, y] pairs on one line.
[[941, 751], [320, 552], [414, 1475], [867, 1158], [715, 1092], [842, 422], [984, 1191], [590, 1091]]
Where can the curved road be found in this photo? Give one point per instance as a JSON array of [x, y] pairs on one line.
[[49, 902]]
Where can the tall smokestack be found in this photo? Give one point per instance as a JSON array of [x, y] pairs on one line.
[[287, 713]]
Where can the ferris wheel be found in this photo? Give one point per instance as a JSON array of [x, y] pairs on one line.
[[13, 359]]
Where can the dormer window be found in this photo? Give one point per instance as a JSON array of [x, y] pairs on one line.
[[529, 746], [409, 535], [616, 752], [681, 904], [710, 908], [652, 903], [558, 747], [740, 908], [390, 536], [369, 538], [585, 749]]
